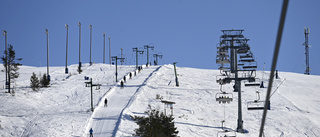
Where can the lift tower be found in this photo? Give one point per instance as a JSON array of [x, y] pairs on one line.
[[306, 44], [233, 68]]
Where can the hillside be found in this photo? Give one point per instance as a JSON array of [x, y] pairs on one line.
[[64, 108]]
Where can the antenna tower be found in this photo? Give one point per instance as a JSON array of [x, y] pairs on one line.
[[306, 44]]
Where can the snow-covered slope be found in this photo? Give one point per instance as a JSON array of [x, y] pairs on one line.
[[64, 108], [61, 110], [294, 107]]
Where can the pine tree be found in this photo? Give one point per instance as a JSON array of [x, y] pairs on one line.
[[155, 125], [44, 81], [34, 82], [9, 62]]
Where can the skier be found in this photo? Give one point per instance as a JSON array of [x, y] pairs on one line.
[[121, 83], [105, 102], [124, 78], [91, 131], [130, 75]]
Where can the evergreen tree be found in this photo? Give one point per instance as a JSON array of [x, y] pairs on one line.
[[9, 62], [44, 81], [34, 82], [155, 125]]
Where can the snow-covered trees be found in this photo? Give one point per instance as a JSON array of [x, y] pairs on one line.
[[155, 125]]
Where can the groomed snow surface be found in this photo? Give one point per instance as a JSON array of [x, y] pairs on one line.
[[63, 109]]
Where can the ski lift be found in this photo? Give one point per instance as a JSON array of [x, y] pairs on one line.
[[226, 132], [251, 84], [243, 49], [224, 97], [246, 60], [221, 79], [256, 104], [222, 61], [255, 82], [246, 56], [98, 86], [249, 67]]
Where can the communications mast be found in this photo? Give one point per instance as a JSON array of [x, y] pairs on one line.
[[306, 44]]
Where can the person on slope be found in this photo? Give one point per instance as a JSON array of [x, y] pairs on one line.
[[91, 131], [130, 75], [105, 102], [121, 84]]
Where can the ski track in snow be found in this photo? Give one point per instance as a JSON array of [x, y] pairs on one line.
[[64, 108]]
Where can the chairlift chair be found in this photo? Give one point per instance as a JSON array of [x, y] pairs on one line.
[[222, 61], [243, 50], [98, 86], [226, 133], [246, 56], [246, 60], [249, 67], [256, 82], [256, 104], [221, 79], [224, 97]]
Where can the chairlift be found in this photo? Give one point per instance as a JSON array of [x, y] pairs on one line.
[[221, 79], [224, 97], [249, 67], [222, 61], [256, 104], [243, 49], [246, 56], [222, 52], [226, 133], [98, 86], [246, 60], [253, 83]]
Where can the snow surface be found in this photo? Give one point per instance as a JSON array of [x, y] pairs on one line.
[[64, 108]]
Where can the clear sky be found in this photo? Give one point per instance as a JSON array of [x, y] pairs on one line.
[[184, 31]]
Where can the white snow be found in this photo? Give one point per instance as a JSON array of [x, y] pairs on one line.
[[64, 108]]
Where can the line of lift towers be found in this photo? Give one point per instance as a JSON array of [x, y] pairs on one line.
[[237, 64]]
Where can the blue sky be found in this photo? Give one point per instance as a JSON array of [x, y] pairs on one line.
[[184, 31]]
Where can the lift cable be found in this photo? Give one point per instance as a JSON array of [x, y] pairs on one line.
[[274, 62]]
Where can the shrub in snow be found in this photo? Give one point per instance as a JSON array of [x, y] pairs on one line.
[[156, 124], [34, 82], [44, 81]]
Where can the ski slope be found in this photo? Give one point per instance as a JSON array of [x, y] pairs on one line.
[[105, 120], [64, 108]]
